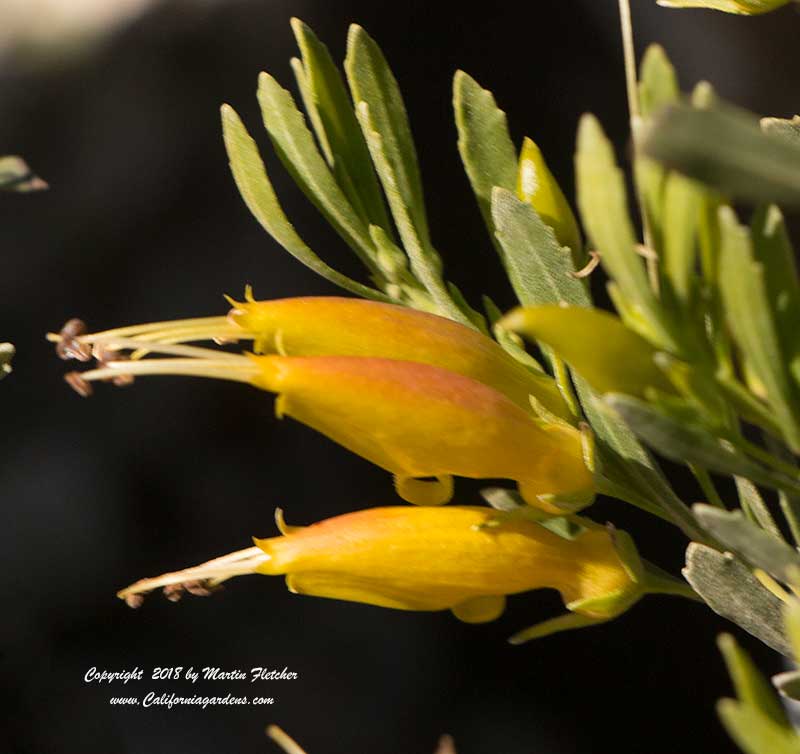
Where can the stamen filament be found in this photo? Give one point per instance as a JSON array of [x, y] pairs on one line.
[[169, 348], [210, 573], [220, 369]]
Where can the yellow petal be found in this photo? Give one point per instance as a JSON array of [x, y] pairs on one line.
[[596, 344], [420, 421], [334, 326], [537, 186]]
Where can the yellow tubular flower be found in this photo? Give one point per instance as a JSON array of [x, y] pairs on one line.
[[421, 421], [434, 559]]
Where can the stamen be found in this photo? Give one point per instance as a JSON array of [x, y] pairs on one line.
[[200, 580], [242, 370]]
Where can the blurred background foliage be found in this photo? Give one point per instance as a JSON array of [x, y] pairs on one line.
[[143, 222]]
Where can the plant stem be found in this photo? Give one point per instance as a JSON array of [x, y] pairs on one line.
[[632, 86], [707, 485]]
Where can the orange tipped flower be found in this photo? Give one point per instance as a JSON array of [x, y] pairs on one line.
[[412, 417], [456, 558], [421, 421], [335, 326]]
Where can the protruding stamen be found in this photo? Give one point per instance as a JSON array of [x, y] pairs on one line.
[[201, 580]]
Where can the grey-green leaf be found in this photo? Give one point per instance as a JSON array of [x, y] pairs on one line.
[[295, 146], [371, 81], [682, 202], [761, 549], [730, 590], [690, 443], [603, 202], [727, 149], [254, 185], [540, 269], [484, 143], [337, 126]]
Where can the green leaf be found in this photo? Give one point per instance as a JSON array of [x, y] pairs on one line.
[[425, 263], [596, 344], [782, 128], [747, 306], [484, 143], [658, 86], [540, 269], [15, 175], [726, 149], [336, 125], [603, 203], [760, 548], [658, 82], [730, 590], [372, 82], [682, 202], [773, 249], [295, 146], [254, 185], [689, 443]]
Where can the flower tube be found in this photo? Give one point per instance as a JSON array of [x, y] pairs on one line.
[[433, 559], [422, 423]]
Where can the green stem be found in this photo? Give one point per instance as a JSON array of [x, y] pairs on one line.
[[632, 86], [707, 485]]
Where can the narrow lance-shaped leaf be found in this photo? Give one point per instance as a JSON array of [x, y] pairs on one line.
[[371, 81], [484, 143], [425, 263], [682, 205], [689, 443], [348, 155], [726, 149], [773, 249], [540, 269], [730, 590], [603, 203], [748, 311], [295, 146], [251, 178], [658, 86]]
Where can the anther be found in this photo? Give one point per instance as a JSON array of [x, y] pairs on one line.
[[69, 347], [106, 356], [76, 381], [134, 601]]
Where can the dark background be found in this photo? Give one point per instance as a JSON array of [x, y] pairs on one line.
[[142, 223]]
